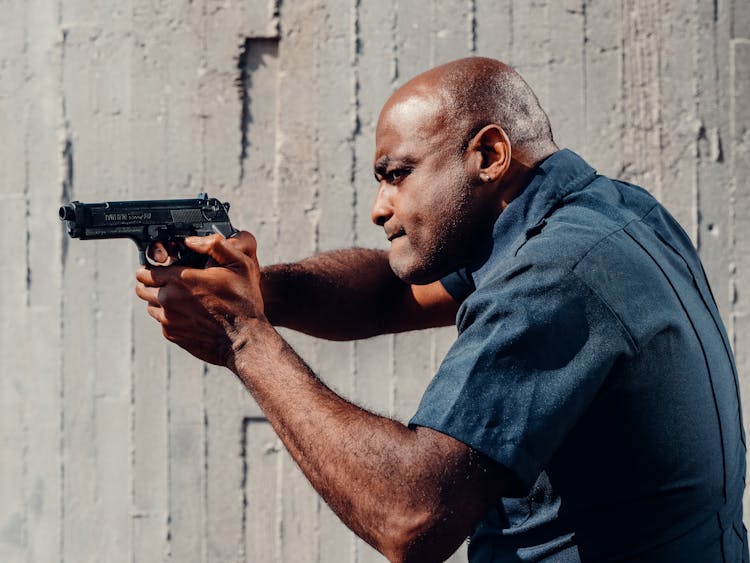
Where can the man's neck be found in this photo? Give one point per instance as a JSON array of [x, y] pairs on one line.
[[522, 166]]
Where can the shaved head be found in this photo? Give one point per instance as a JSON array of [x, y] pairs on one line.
[[454, 146], [473, 92]]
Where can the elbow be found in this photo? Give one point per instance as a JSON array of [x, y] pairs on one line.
[[420, 537]]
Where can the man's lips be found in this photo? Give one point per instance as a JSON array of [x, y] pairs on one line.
[[395, 234]]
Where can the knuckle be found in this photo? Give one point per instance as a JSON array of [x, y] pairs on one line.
[[252, 243], [162, 297], [155, 312], [246, 241]]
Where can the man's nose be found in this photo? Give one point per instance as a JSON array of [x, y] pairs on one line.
[[382, 208]]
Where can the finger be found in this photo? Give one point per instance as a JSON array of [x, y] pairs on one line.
[[245, 242], [156, 277], [157, 313], [201, 244], [161, 257], [148, 294], [157, 254], [220, 250]]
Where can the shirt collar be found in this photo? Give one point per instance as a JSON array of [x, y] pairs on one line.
[[558, 176]]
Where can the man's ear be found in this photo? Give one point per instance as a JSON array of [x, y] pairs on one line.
[[493, 153]]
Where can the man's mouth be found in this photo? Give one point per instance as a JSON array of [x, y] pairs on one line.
[[395, 234]]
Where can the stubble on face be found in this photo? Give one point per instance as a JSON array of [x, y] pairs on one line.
[[434, 208]]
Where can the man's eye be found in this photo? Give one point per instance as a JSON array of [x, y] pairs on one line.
[[397, 175]]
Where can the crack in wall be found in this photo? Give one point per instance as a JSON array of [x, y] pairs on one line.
[[244, 84], [243, 484], [250, 58], [244, 437], [67, 187], [356, 120], [473, 24]]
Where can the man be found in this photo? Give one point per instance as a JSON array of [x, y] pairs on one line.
[[588, 410]]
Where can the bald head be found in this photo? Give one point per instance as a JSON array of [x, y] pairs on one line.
[[471, 93], [453, 147]]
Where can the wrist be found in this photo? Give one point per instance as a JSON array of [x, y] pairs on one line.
[[248, 342]]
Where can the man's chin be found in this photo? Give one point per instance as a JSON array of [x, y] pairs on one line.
[[413, 274]]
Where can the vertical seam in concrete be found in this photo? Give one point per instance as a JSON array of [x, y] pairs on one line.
[[168, 447], [276, 15], [279, 501], [432, 34], [95, 313], [243, 84], [66, 185], [242, 555], [622, 72], [204, 408], [734, 313], [472, 22], [205, 477], [131, 371], [696, 217], [203, 65], [658, 94], [511, 36], [717, 66], [27, 296], [584, 65], [317, 543], [131, 438], [278, 141], [356, 129], [315, 204], [394, 42], [356, 49], [27, 165]]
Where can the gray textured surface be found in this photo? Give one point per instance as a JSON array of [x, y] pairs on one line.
[[118, 447]]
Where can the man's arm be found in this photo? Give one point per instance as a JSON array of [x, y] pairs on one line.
[[351, 294], [412, 493]]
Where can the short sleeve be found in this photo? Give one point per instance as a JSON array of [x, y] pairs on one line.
[[534, 346], [459, 285]]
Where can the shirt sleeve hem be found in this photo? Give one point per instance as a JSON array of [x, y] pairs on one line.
[[508, 454]]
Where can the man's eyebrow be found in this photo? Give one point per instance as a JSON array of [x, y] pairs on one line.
[[381, 165], [387, 162]]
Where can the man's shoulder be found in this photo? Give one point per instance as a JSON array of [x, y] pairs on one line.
[[584, 219]]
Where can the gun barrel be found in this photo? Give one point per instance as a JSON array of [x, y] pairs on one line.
[[67, 213]]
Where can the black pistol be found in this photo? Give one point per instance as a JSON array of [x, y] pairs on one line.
[[167, 221]]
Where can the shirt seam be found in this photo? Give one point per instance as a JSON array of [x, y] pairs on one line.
[[601, 298], [623, 327]]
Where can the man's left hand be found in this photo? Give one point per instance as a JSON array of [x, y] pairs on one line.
[[205, 310]]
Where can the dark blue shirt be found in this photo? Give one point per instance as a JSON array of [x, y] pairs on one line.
[[591, 361]]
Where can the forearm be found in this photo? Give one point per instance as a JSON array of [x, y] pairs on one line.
[[343, 295], [384, 480]]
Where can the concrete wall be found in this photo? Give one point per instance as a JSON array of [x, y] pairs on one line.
[[115, 446]]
